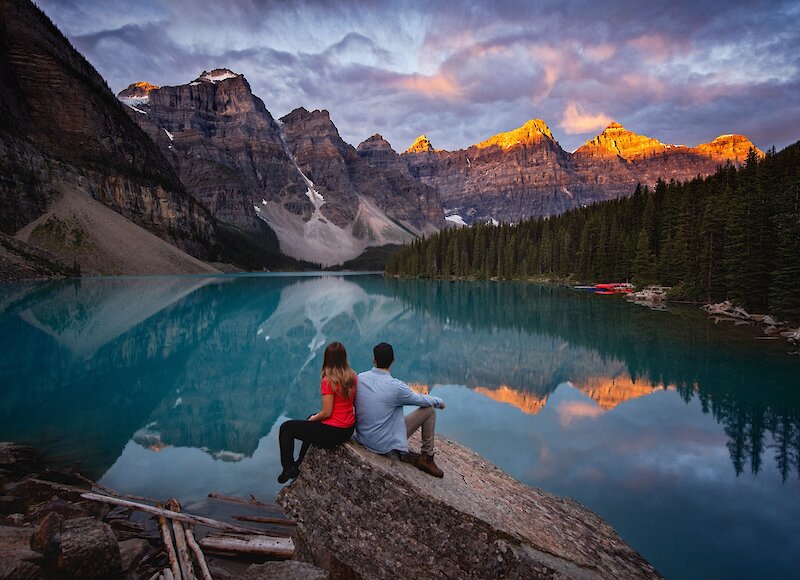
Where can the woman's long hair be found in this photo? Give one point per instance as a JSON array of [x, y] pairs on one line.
[[337, 370]]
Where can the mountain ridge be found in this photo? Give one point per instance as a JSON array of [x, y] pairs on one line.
[[318, 196], [525, 173]]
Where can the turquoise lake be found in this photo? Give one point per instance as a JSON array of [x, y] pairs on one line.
[[682, 433]]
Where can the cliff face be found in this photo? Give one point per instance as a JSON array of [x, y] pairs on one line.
[[362, 515], [223, 142], [323, 201], [60, 124], [402, 197], [373, 173], [525, 173], [511, 176]]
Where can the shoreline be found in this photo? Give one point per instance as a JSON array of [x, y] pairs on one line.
[[772, 328], [55, 522]]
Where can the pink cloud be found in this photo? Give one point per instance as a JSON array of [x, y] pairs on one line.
[[572, 410], [600, 52], [437, 85], [658, 48], [577, 121], [645, 84]]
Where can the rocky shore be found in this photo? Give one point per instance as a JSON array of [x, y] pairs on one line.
[[362, 515], [771, 327], [50, 530]]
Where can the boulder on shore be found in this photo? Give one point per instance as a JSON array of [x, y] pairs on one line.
[[363, 515]]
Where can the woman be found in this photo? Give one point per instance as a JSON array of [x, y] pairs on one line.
[[334, 424]]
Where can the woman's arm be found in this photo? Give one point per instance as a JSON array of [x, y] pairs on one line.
[[327, 409]]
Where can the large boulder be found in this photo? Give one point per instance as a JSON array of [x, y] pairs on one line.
[[89, 549], [362, 515]]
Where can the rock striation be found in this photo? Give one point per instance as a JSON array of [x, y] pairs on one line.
[[525, 173], [362, 515], [322, 200], [511, 176], [61, 128]]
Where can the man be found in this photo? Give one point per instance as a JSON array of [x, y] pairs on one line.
[[380, 424]]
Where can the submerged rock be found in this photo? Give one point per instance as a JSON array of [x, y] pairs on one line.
[[16, 458], [362, 515]]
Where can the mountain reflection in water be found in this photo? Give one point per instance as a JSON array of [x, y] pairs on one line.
[[660, 421]]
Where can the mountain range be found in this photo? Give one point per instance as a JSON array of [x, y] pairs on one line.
[[525, 173], [198, 176]]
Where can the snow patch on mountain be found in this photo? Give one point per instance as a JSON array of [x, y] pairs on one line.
[[135, 108], [456, 219], [218, 75]]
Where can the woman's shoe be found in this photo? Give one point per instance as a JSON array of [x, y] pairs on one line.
[[288, 474]]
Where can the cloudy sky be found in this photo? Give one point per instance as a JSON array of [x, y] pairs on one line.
[[682, 71]]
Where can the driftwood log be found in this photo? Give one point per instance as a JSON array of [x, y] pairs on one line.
[[240, 500], [201, 559], [184, 559], [180, 516], [169, 547], [265, 520], [232, 544]]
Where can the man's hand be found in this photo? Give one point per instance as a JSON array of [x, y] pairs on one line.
[[441, 405]]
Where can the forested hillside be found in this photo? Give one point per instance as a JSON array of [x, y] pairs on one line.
[[733, 235]]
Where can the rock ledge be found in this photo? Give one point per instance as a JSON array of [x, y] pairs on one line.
[[362, 515]]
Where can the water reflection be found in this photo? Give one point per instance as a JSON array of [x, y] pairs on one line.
[[175, 386], [607, 392], [750, 388], [211, 363]]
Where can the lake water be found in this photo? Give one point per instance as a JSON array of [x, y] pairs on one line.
[[683, 434]]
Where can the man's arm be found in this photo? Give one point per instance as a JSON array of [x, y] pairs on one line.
[[405, 396]]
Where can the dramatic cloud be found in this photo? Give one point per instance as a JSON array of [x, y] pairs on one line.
[[681, 72], [575, 121]]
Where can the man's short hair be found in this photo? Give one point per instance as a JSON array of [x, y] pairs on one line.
[[384, 355]]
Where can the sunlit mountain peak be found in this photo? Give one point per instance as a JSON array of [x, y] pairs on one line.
[[532, 131], [421, 145]]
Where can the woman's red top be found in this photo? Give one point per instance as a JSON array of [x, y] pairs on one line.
[[343, 414]]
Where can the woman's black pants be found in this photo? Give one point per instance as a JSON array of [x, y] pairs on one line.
[[309, 432]]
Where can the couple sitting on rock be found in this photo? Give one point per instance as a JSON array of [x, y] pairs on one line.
[[372, 405]]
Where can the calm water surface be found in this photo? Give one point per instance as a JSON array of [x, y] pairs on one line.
[[683, 434]]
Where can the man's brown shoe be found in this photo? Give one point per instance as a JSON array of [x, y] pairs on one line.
[[425, 463], [411, 457]]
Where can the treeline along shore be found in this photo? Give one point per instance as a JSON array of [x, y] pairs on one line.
[[733, 235]]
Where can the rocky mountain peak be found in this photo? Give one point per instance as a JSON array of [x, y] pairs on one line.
[[303, 114], [216, 75], [420, 145], [732, 147], [616, 140], [138, 90], [531, 132], [375, 143]]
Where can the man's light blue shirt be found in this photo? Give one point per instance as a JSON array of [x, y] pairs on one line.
[[380, 423]]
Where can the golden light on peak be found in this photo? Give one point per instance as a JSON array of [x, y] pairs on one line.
[[529, 403], [531, 132]]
